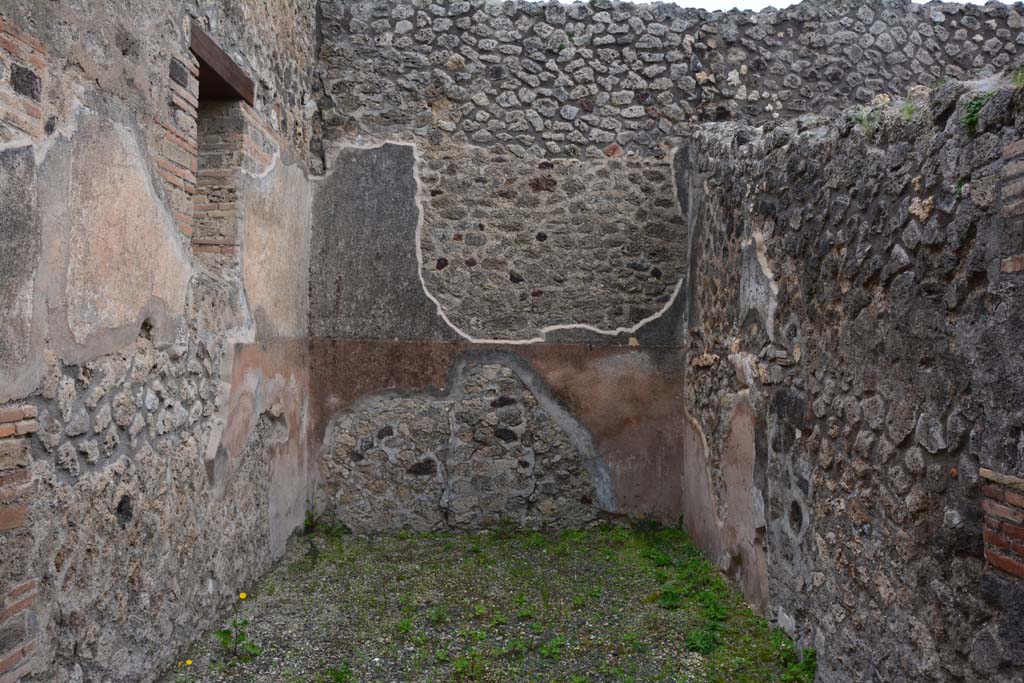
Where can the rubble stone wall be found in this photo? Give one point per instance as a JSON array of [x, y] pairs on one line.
[[484, 453], [559, 264], [855, 301], [166, 462], [593, 78]]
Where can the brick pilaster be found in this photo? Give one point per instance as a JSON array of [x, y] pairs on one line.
[[177, 161], [22, 81], [18, 592]]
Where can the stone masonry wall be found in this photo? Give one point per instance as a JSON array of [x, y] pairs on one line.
[[586, 79], [855, 306], [170, 462], [483, 453], [549, 244]]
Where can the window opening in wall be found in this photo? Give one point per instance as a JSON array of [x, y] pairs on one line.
[[224, 89]]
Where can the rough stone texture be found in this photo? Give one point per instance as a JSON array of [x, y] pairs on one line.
[[141, 569], [628, 402], [541, 245], [129, 53], [849, 305], [484, 452], [542, 79], [853, 289], [171, 463]]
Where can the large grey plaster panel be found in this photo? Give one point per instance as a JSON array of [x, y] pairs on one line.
[[19, 257], [364, 275]]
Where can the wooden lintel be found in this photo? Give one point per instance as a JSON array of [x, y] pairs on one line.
[[219, 76]]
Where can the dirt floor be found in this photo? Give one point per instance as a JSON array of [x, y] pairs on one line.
[[603, 605]]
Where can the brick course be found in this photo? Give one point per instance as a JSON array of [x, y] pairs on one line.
[[23, 61], [1003, 504], [17, 637]]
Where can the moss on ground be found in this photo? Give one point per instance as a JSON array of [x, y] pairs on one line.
[[602, 605]]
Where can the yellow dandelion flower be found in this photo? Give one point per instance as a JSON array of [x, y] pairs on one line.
[[242, 596], [188, 662]]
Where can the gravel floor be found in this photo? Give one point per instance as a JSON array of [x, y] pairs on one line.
[[590, 606]]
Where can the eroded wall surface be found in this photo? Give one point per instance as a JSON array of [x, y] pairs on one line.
[[527, 285], [854, 304], [773, 333], [153, 431], [419, 426], [589, 79]]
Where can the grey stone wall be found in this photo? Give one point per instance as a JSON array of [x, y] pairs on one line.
[[484, 452], [516, 248], [585, 79], [860, 287]]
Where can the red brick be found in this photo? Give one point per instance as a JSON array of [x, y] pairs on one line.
[[1015, 498], [1002, 511], [179, 171], [13, 47], [992, 491], [184, 94], [996, 539], [12, 517], [19, 476], [19, 606], [23, 588], [30, 411], [31, 41], [177, 182], [6, 430], [9, 666], [1009, 565], [26, 427], [1013, 531], [11, 414], [1018, 549]]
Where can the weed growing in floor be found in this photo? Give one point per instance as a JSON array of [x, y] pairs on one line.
[[802, 671], [702, 641], [424, 608], [235, 640], [341, 674], [553, 648]]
